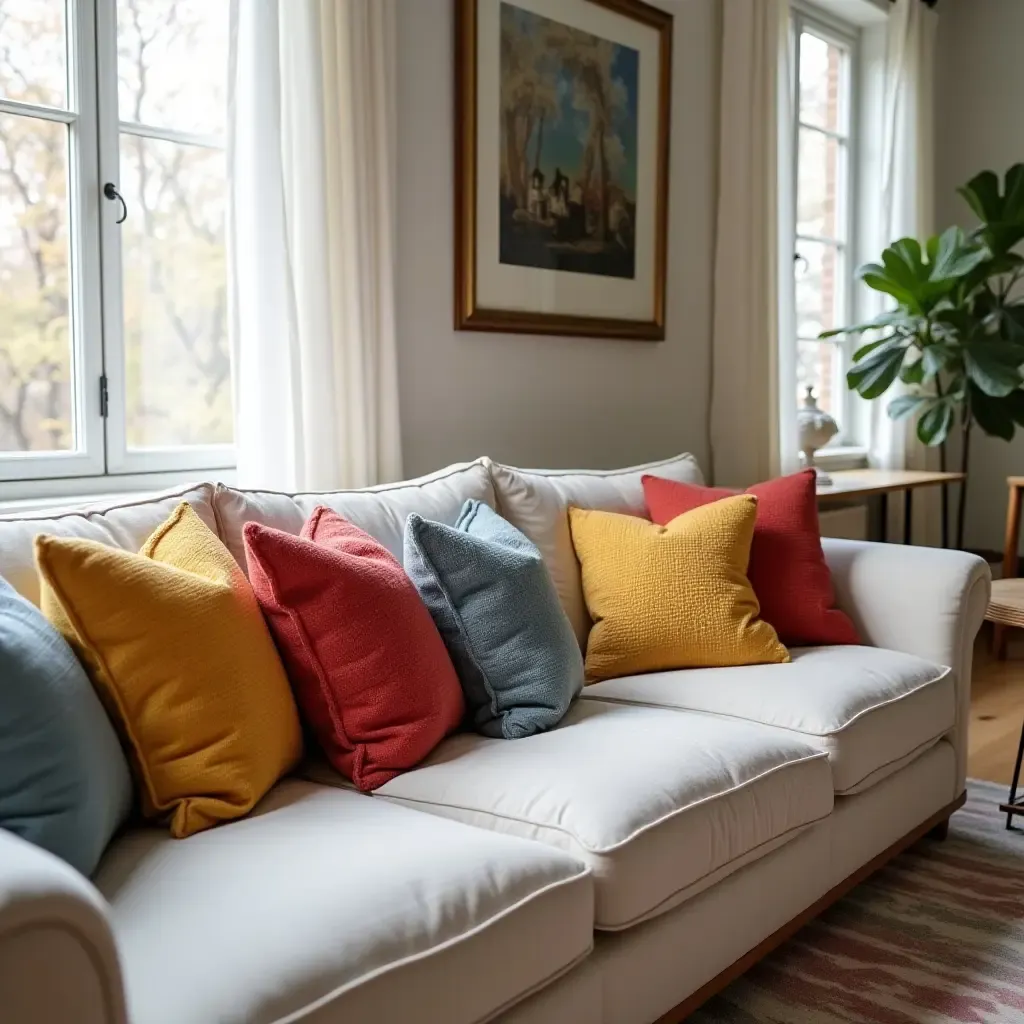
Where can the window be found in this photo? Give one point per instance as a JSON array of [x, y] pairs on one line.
[[113, 336], [823, 168]]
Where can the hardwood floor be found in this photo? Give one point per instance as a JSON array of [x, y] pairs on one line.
[[997, 709]]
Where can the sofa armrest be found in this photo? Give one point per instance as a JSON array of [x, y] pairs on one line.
[[58, 960], [925, 601]]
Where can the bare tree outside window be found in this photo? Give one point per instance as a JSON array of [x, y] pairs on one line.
[[172, 70], [35, 350], [164, 326]]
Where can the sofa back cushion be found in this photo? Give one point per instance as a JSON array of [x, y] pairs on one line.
[[124, 525], [380, 511], [536, 501]]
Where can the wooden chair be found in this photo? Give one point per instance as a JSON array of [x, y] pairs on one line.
[[1006, 607]]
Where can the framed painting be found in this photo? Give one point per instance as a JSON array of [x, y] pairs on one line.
[[561, 166]]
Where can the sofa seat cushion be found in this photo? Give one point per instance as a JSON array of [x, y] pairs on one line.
[[659, 804], [381, 511], [870, 710], [328, 905]]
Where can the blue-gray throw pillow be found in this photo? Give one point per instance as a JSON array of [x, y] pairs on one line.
[[494, 603], [64, 781]]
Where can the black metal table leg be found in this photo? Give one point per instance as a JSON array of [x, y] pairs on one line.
[[944, 490], [908, 515], [883, 507], [1011, 806]]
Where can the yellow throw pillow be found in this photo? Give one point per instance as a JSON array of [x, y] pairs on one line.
[[177, 648], [674, 596]]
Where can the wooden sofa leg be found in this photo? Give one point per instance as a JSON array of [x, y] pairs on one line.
[[940, 831]]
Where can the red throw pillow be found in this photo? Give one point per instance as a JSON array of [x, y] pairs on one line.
[[787, 569], [369, 669]]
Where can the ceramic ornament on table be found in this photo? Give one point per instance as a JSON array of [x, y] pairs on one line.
[[815, 428]]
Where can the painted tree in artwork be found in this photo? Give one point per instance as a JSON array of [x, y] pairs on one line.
[[550, 72], [529, 98], [588, 60]]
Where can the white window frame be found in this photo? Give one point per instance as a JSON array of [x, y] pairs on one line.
[[83, 191], [850, 442], [95, 300]]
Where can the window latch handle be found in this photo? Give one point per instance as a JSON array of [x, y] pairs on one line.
[[110, 191]]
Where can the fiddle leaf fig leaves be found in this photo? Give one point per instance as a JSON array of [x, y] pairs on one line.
[[933, 424], [994, 366], [904, 406], [1001, 212], [874, 374], [952, 340]]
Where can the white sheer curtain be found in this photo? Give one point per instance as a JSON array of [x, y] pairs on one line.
[[753, 388], [311, 162], [906, 184]]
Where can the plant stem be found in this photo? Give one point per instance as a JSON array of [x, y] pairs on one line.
[[944, 495], [943, 491], [1008, 286], [965, 455]]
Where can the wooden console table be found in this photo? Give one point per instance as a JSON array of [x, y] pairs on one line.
[[851, 485]]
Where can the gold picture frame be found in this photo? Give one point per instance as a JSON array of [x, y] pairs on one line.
[[533, 233]]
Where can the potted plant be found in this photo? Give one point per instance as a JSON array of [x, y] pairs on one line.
[[954, 340]]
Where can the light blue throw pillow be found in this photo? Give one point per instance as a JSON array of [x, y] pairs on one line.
[[64, 781], [493, 601]]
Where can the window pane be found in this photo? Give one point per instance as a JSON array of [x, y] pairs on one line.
[[821, 83], [175, 303], [33, 52], [35, 346], [172, 63], [817, 366], [820, 186], [819, 288]]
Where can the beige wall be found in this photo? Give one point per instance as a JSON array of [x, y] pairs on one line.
[[980, 125], [539, 400]]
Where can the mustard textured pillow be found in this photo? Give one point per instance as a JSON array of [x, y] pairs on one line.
[[176, 646], [674, 596]]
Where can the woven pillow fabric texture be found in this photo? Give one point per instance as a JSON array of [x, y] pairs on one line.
[[64, 782], [368, 666], [787, 569], [675, 596], [492, 598], [177, 648]]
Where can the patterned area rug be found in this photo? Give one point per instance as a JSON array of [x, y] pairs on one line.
[[936, 937]]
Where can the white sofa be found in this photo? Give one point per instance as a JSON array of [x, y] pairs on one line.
[[617, 869]]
